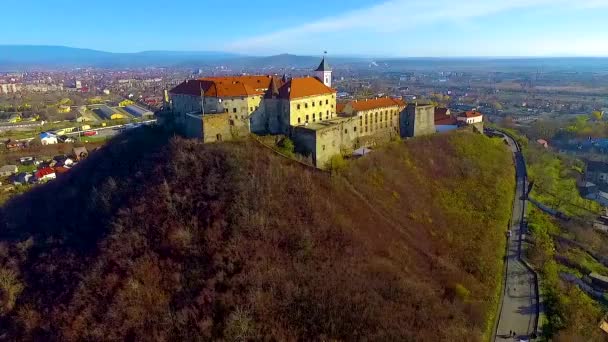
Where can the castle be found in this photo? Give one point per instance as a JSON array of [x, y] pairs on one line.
[[301, 108]]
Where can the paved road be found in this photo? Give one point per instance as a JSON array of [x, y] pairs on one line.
[[519, 305]]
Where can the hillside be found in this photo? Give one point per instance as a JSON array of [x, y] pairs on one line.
[[166, 239]]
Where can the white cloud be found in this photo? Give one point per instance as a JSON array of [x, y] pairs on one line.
[[397, 16]]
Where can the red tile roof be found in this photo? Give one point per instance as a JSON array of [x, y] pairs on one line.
[[340, 107], [446, 120], [61, 170], [44, 172], [231, 86], [470, 114], [440, 112], [376, 103], [303, 87]]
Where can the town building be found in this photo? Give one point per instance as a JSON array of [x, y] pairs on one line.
[[471, 117], [596, 172], [47, 138], [108, 113], [45, 174], [444, 120], [10, 88]]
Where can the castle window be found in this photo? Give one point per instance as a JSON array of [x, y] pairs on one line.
[[313, 103], [365, 129], [298, 106], [234, 110], [299, 120], [323, 147], [306, 118], [313, 117], [306, 105], [345, 131], [320, 103], [355, 128], [226, 110], [326, 101]]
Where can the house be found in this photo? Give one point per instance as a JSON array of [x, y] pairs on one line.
[[597, 172], [470, 117], [63, 161], [60, 170], [543, 143], [8, 170], [45, 174], [80, 153], [14, 145], [47, 138], [23, 178], [444, 120]]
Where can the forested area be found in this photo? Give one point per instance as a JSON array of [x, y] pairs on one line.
[[159, 238]]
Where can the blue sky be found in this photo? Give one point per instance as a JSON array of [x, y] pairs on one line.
[[407, 28]]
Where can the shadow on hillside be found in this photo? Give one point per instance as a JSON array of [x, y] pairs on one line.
[[74, 211]]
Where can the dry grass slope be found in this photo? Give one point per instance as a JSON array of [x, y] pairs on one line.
[[184, 241]]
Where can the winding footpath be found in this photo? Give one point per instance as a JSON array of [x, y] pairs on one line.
[[518, 317]]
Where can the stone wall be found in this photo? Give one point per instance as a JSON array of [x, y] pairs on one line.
[[216, 127], [417, 120]]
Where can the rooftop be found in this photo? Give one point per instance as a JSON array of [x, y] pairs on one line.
[[381, 102], [320, 125], [470, 114], [324, 66], [304, 87], [597, 166]]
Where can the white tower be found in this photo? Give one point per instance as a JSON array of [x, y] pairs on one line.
[[323, 73]]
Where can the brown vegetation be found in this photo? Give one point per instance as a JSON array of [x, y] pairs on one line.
[[166, 239]]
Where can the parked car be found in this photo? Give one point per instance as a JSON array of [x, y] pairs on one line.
[[89, 133]]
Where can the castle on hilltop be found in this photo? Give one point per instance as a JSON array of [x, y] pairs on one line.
[[301, 108]]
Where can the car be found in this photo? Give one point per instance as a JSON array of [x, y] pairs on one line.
[[89, 133]]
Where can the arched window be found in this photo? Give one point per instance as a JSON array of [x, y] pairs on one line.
[[306, 118], [299, 120], [298, 106]]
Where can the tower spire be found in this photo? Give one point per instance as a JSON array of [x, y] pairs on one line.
[[323, 71]]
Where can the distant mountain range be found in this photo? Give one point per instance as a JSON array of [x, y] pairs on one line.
[[28, 57], [35, 56]]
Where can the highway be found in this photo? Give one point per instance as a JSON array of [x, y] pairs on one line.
[[519, 309]]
